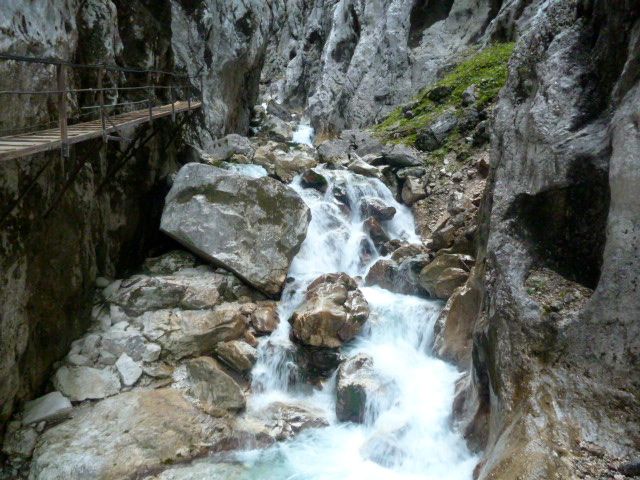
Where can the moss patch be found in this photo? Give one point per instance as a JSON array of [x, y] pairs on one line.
[[487, 70]]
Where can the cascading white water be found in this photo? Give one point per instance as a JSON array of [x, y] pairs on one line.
[[303, 134], [408, 437]]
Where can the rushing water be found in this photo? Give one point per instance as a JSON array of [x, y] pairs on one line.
[[408, 437], [303, 134]]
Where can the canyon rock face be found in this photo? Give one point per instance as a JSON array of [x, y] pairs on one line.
[[555, 370], [351, 61]]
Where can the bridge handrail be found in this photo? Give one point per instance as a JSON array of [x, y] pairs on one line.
[[61, 91]]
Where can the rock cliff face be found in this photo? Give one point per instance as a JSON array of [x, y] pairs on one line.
[[555, 349], [351, 61]]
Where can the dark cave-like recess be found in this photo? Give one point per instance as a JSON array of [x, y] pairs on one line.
[[566, 227]]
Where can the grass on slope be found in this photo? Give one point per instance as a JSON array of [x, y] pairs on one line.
[[487, 70]]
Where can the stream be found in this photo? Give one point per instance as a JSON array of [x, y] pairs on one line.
[[406, 435]]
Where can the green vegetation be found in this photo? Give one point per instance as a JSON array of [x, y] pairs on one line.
[[487, 70]]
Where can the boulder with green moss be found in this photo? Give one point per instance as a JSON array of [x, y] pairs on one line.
[[252, 227]]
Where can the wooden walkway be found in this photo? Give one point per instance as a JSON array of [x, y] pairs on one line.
[[16, 146]]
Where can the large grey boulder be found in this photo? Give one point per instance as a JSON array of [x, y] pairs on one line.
[[125, 434], [250, 226]]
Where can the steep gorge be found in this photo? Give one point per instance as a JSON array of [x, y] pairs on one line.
[[543, 316]]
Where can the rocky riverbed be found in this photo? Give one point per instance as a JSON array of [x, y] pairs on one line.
[[166, 373]]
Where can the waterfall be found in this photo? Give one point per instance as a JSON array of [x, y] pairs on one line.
[[411, 432], [303, 133]]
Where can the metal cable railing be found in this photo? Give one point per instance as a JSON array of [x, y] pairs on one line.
[[101, 110]]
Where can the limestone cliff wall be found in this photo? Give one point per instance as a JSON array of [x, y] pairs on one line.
[[349, 62], [555, 352]]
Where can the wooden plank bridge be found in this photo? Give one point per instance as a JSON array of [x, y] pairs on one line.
[[107, 124], [16, 146]]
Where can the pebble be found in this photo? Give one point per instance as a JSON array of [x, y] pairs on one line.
[[151, 352], [129, 370]]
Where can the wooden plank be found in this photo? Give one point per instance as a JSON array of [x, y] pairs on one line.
[[26, 144]]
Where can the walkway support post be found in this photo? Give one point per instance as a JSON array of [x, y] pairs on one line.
[[173, 106], [150, 94], [62, 109], [101, 102]]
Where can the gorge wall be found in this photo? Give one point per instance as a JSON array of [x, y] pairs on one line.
[[554, 364], [555, 347]]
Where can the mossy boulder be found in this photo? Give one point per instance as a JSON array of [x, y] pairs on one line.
[[252, 227]]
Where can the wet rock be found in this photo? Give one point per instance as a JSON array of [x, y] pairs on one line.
[[376, 208], [312, 179], [376, 232], [265, 318], [384, 448], [453, 331], [361, 167], [48, 408], [286, 420], [383, 273], [127, 433], [184, 333], [315, 364], [251, 226], [238, 355], [86, 383], [390, 275], [434, 136], [229, 145], [413, 190], [334, 152], [444, 274], [399, 156], [332, 313], [170, 262], [359, 386], [216, 391], [417, 172], [19, 441], [276, 129], [129, 370], [340, 194]]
